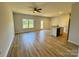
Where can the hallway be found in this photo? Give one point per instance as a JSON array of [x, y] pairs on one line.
[[41, 43]]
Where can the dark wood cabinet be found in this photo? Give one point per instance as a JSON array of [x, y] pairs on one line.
[[60, 31], [57, 31]]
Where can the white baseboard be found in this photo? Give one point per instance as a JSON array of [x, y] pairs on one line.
[[7, 50], [74, 42]]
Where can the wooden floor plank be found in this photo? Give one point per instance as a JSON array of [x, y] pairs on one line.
[[42, 44]]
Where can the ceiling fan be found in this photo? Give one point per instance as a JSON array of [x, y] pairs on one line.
[[35, 9]]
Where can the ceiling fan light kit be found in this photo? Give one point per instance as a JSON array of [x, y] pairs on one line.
[[37, 10]]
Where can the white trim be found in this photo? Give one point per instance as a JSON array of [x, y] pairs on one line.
[[74, 42], [7, 50], [78, 51]]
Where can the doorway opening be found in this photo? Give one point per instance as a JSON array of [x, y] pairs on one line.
[[42, 24]]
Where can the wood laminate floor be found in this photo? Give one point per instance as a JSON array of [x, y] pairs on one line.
[[42, 44]]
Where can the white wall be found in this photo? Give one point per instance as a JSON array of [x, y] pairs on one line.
[[6, 29], [62, 21], [18, 22], [74, 24]]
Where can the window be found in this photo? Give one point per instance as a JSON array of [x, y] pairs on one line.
[[28, 23], [25, 23], [31, 23]]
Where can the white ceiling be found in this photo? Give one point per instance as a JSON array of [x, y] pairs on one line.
[[49, 9]]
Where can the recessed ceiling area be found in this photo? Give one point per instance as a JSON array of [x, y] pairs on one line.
[[49, 9]]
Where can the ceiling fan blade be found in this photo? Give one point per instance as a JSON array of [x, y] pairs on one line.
[[40, 9], [37, 11]]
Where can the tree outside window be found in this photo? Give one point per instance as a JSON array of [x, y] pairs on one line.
[[28, 23]]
